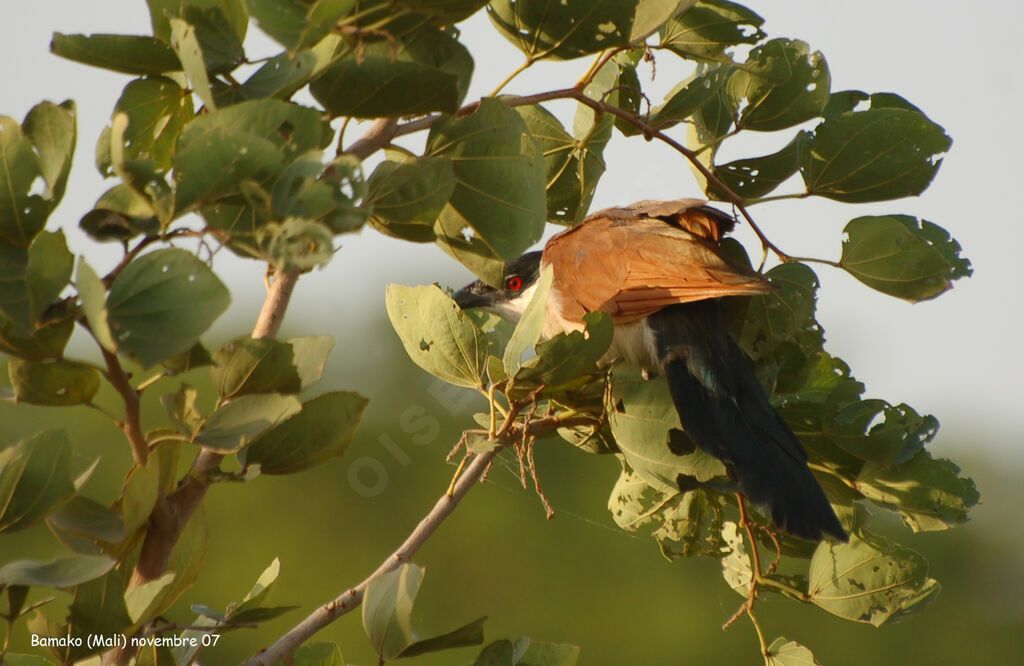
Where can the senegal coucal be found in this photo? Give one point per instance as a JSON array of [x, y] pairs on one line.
[[656, 267]]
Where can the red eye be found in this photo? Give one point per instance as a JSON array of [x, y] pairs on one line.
[[515, 283]]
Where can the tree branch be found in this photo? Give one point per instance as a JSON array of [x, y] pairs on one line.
[[172, 513], [130, 396], [349, 600]]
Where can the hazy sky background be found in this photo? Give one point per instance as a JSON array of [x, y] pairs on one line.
[[957, 356]]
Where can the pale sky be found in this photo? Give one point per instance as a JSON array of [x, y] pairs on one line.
[[957, 356]]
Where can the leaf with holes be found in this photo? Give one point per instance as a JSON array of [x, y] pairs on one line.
[[870, 580], [157, 110], [902, 256], [438, 336], [902, 145], [707, 30], [784, 85]]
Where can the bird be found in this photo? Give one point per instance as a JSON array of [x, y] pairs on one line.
[[658, 269]]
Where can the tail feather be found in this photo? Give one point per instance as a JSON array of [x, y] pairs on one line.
[[727, 414]]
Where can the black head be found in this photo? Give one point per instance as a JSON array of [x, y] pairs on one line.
[[520, 275]]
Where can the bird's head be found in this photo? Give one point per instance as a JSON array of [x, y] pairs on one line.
[[517, 288]]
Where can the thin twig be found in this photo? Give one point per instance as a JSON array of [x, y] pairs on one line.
[[130, 397]]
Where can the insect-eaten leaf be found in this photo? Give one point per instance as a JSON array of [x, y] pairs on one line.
[[902, 256]]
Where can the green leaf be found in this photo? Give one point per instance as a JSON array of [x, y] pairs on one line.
[[93, 296], [46, 342], [245, 365], [235, 424], [35, 479], [89, 519], [574, 28], [572, 167], [222, 49], [310, 357], [754, 177], [928, 493], [550, 654], [120, 214], [530, 326], [62, 572], [426, 71], [140, 600], [321, 431], [902, 256], [387, 610], [295, 24], [707, 30], [438, 336], [257, 596], [901, 144], [130, 54], [196, 357], [486, 222], [407, 197], [468, 634], [789, 653], [690, 95], [870, 580], [54, 383], [22, 215], [157, 109], [784, 85], [250, 140], [161, 303], [684, 523], [647, 430], [48, 270], [318, 654], [736, 564], [141, 176], [566, 360], [162, 11], [775, 318], [51, 129], [186, 44], [279, 77], [141, 491]]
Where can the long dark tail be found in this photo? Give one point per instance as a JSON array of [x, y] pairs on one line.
[[727, 414]]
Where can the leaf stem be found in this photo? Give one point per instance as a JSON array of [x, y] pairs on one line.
[[515, 72]]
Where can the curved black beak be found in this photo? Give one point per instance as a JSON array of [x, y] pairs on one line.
[[475, 295]]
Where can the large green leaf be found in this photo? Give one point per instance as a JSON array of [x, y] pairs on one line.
[[48, 270], [573, 28], [408, 196], [900, 143], [902, 256], [53, 384], [280, 76], [88, 518], [783, 83], [427, 71], [471, 633], [438, 336], [707, 30], [789, 653], [221, 47], [35, 479], [46, 342], [131, 54], [647, 430], [321, 431], [870, 580], [185, 43], [688, 96], [93, 297], [487, 222], [161, 303], [157, 110], [565, 361]]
